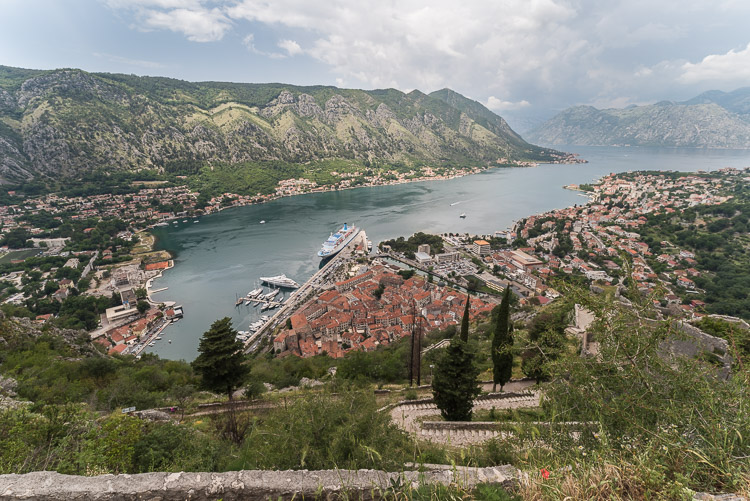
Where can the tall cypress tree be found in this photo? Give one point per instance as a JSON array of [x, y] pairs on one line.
[[454, 384], [221, 362], [502, 345], [465, 320]]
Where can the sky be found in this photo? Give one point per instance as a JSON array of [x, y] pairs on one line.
[[524, 59]]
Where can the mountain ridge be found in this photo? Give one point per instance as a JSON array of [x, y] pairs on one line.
[[62, 123], [714, 119]]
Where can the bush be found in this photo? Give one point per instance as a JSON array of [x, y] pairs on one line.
[[320, 431], [660, 423]]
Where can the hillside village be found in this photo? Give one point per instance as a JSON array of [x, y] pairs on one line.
[[596, 243]]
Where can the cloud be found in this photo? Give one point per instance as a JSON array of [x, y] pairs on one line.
[[730, 68], [192, 18], [249, 42], [494, 103], [128, 61], [552, 53], [199, 25], [413, 43], [291, 47], [161, 4]]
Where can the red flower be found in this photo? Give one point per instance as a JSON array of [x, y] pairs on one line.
[[545, 473]]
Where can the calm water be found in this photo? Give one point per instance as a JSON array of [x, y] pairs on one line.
[[225, 253]]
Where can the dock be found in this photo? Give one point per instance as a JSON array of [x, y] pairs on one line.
[[313, 284], [269, 302]]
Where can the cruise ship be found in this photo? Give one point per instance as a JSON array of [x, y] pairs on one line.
[[280, 281], [338, 241]]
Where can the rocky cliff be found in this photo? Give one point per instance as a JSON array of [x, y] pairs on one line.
[[66, 122]]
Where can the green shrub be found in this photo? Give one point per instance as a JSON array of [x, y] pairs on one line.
[[320, 431]]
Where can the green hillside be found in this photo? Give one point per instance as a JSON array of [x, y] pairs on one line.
[[66, 123]]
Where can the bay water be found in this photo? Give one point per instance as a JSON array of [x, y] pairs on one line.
[[223, 255]]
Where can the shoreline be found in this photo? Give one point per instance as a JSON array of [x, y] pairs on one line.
[[329, 188], [272, 198]]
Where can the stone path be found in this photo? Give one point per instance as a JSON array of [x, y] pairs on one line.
[[408, 416]]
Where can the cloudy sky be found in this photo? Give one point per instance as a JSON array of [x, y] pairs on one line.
[[524, 59]]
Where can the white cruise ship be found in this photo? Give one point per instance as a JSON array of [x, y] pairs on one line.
[[338, 241]]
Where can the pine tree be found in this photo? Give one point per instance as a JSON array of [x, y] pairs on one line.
[[221, 362], [502, 345], [454, 384], [465, 320]]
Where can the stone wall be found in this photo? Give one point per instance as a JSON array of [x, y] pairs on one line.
[[690, 341], [242, 485]]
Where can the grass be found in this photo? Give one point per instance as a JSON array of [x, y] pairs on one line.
[[23, 254]]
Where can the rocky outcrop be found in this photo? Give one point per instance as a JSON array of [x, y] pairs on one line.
[[243, 485], [16, 332]]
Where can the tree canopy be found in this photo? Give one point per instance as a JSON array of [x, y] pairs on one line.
[[502, 344], [221, 362]]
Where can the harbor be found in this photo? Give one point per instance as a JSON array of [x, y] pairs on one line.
[[316, 283]]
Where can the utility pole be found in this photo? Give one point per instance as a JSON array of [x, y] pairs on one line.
[[415, 360], [418, 361], [411, 356]]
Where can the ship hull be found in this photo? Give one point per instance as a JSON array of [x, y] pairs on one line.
[[323, 254]]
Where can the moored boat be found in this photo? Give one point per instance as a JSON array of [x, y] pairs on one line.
[[337, 241], [280, 281]]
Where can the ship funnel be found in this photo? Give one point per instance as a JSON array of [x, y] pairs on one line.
[[344, 226]]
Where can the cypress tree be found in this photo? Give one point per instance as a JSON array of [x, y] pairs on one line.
[[502, 345], [221, 362], [465, 320], [454, 384]]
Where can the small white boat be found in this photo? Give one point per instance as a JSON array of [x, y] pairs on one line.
[[184, 220], [263, 221], [152, 343], [463, 215], [170, 341]]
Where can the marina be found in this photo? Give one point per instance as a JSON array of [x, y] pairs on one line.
[[315, 283]]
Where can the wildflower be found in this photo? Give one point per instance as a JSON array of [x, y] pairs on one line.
[[664, 448], [545, 473], [580, 447]]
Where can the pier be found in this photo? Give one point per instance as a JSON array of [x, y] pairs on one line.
[[269, 302], [313, 284]]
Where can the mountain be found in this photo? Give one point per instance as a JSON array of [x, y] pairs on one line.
[[714, 119], [66, 122], [737, 101]]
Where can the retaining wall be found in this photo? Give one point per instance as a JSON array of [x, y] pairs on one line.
[[241, 485]]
